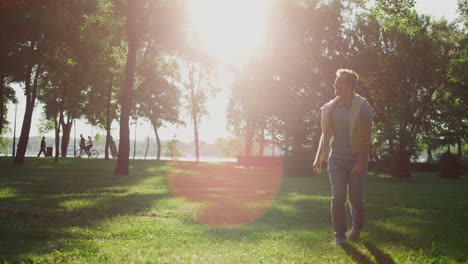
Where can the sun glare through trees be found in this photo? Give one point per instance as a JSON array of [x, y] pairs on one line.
[[231, 31]]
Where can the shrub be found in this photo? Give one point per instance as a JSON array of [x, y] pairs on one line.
[[383, 165], [298, 167], [172, 149], [425, 167], [402, 165], [450, 166]]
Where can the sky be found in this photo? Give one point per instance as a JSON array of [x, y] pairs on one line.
[[213, 125]]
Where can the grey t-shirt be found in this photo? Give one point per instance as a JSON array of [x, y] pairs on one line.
[[341, 145]]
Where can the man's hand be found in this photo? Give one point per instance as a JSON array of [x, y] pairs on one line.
[[318, 166], [357, 170]]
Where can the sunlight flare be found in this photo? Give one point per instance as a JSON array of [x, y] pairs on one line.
[[231, 31]]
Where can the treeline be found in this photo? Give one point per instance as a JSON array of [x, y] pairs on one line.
[[142, 146], [105, 60], [415, 80]]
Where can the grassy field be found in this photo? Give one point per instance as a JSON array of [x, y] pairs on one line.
[[77, 212]]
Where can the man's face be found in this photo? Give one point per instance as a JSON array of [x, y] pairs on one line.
[[341, 87]]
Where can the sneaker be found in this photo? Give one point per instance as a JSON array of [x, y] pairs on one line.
[[354, 235], [339, 240]]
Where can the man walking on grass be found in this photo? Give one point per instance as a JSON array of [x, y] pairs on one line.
[[346, 131], [43, 148]]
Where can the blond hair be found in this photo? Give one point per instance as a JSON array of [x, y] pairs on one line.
[[349, 76]]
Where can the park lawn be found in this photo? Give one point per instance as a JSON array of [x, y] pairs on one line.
[[75, 211]]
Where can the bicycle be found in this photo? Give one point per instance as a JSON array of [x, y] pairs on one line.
[[92, 154]]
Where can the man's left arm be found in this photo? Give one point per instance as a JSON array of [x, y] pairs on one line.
[[366, 130]]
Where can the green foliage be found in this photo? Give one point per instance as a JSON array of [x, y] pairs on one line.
[[101, 139], [396, 14], [45, 125], [197, 81], [457, 71], [412, 68], [229, 147], [401, 167], [406, 87], [4, 144], [157, 98], [450, 166], [171, 149]]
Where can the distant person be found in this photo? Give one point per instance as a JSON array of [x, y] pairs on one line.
[[82, 144], [43, 148], [89, 145], [344, 144]]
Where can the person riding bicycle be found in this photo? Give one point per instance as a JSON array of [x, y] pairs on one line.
[[89, 146], [82, 144]]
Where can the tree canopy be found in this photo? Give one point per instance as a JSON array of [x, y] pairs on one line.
[[106, 61]]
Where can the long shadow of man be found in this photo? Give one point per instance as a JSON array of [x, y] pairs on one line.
[[380, 256]]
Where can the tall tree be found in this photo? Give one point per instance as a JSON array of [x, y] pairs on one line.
[[145, 20], [134, 12], [104, 31], [156, 98], [306, 48], [31, 46], [198, 84], [402, 80]]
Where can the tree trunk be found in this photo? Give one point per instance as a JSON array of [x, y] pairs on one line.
[[249, 135], [57, 137], [429, 154], [108, 122], [61, 121], [2, 102], [391, 146], [262, 143], [14, 132], [66, 132], [197, 145], [31, 93], [147, 146], [371, 153], [126, 97], [401, 163], [74, 138], [113, 148], [158, 143], [195, 109], [459, 145], [24, 136], [134, 140]]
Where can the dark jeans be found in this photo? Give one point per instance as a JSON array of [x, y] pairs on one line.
[[343, 185]]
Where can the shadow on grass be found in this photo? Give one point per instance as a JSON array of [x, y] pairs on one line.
[[41, 200], [357, 256], [380, 256]]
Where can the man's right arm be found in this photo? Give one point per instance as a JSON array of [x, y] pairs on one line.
[[318, 157]]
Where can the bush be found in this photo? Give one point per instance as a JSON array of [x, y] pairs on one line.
[[425, 166], [450, 166], [298, 167], [402, 165], [171, 149], [382, 165]]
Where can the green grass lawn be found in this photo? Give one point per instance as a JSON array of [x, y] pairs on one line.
[[75, 211]]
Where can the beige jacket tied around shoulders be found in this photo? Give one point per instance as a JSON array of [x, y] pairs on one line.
[[354, 128]]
